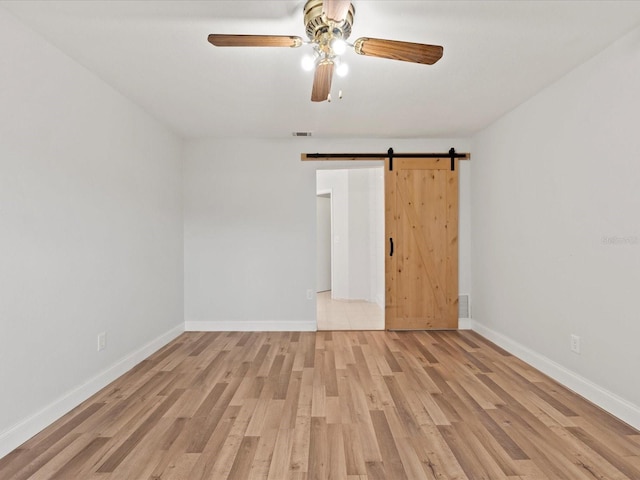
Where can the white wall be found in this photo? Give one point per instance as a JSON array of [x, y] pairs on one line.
[[556, 229], [361, 270], [377, 235], [249, 222], [90, 233], [323, 243]]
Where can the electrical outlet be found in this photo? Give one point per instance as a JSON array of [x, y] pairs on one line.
[[575, 344], [102, 341], [309, 294]]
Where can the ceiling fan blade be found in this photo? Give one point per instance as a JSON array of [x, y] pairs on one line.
[[336, 10], [221, 40], [395, 50], [322, 81]]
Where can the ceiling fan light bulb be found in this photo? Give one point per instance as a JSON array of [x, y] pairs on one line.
[[308, 62], [342, 70], [339, 46]]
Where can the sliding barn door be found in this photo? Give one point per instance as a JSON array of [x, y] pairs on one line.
[[421, 267]]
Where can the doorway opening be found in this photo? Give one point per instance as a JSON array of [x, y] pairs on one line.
[[350, 249]]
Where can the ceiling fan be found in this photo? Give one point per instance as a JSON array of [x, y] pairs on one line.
[[328, 25]]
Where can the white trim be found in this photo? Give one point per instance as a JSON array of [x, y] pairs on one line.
[[609, 401], [22, 431], [465, 324], [251, 326]]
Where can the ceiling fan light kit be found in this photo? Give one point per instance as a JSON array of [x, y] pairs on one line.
[[328, 25]]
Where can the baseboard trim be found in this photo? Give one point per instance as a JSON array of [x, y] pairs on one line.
[[608, 401], [465, 324], [251, 326], [16, 435]]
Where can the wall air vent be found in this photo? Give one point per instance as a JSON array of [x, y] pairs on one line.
[[301, 134], [464, 307]]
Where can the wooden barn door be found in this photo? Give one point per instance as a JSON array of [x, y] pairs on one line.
[[421, 267]]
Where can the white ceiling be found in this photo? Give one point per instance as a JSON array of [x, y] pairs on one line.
[[497, 54]]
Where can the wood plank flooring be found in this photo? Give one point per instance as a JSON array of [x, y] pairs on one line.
[[331, 405]]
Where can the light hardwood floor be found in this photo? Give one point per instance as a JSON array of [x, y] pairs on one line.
[[348, 314], [339, 405]]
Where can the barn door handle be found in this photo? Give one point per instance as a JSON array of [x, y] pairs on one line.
[[390, 247]]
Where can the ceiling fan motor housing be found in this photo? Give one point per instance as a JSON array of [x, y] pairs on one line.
[[319, 27]]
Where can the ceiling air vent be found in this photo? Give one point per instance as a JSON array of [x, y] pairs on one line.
[[301, 134]]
